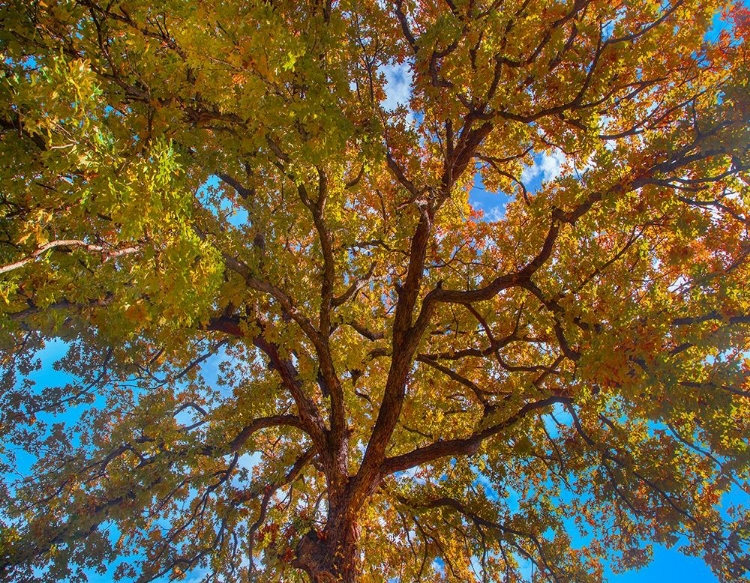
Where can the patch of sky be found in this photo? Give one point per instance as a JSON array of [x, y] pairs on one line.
[[607, 30], [510, 498], [398, 80], [188, 417], [439, 565], [476, 567], [247, 461], [492, 204], [410, 475], [242, 476], [546, 166], [667, 565], [210, 194], [718, 24], [398, 88], [557, 417], [44, 377]]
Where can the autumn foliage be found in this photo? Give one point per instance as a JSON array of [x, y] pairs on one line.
[[294, 347]]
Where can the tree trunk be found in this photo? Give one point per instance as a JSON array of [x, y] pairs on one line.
[[331, 556]]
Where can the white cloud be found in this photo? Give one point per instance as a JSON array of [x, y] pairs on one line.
[[545, 167], [552, 165], [398, 78], [495, 213]]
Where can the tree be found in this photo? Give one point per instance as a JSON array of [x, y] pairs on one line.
[[427, 394]]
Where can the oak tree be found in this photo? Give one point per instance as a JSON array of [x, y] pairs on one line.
[[405, 389]]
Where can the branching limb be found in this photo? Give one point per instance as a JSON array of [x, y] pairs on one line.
[[464, 446], [106, 252]]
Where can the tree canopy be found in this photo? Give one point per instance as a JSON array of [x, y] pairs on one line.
[[406, 389]]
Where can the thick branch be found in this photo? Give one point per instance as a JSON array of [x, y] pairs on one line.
[[106, 252], [261, 423], [465, 446]]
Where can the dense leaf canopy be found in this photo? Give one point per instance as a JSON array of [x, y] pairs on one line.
[[295, 348]]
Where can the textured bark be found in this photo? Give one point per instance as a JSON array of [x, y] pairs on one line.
[[331, 555]]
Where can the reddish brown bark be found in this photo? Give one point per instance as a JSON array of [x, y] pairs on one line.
[[331, 555]]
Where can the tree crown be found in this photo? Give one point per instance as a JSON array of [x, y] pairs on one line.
[[427, 393]]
